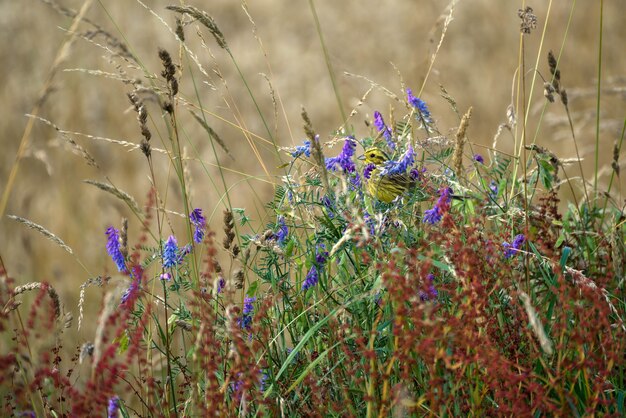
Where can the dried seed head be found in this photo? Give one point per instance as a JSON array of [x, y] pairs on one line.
[[457, 159], [167, 106], [529, 20], [142, 118], [564, 97], [180, 31], [206, 20], [548, 92], [145, 148], [552, 64], [124, 238], [169, 71], [229, 226], [235, 250], [238, 277]]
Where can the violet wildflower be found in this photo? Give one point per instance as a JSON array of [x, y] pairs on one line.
[[166, 276], [493, 186], [384, 129], [199, 223], [330, 207], [186, 250], [434, 215], [169, 252], [311, 279], [370, 222], [130, 293], [344, 159], [431, 292], [367, 172], [419, 105], [511, 249], [282, 230], [220, 284], [302, 149], [400, 167], [321, 254], [114, 406], [479, 158], [263, 380], [248, 311], [113, 248]]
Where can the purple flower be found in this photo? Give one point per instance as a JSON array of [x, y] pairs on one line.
[[384, 129], [367, 172], [199, 223], [311, 279], [479, 158], [493, 186], [283, 231], [169, 252], [114, 406], [431, 292], [434, 215], [511, 249], [263, 380], [248, 311], [371, 223], [302, 149], [166, 276], [419, 105], [248, 306], [136, 274], [400, 167], [220, 284], [328, 203], [113, 248], [344, 159], [321, 255]]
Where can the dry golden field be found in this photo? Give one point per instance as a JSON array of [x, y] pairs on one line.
[[389, 43]]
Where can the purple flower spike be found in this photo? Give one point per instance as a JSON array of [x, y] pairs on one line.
[[169, 252], [113, 248], [511, 249], [199, 223]]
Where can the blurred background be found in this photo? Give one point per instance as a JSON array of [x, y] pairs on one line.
[[389, 43]]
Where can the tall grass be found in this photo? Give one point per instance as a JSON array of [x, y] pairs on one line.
[[477, 292]]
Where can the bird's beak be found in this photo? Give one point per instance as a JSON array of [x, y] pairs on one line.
[[361, 157]]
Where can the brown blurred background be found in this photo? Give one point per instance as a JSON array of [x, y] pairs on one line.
[[476, 65]]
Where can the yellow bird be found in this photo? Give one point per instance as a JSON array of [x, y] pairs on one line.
[[385, 187]]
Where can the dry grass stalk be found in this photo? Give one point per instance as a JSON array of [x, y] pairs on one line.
[[457, 159], [43, 231], [120, 194], [79, 150], [51, 292], [98, 281], [110, 304], [316, 149], [206, 20], [536, 325], [211, 132]]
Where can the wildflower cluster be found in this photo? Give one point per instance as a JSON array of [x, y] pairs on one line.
[[434, 215], [385, 131], [113, 248], [513, 248]]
